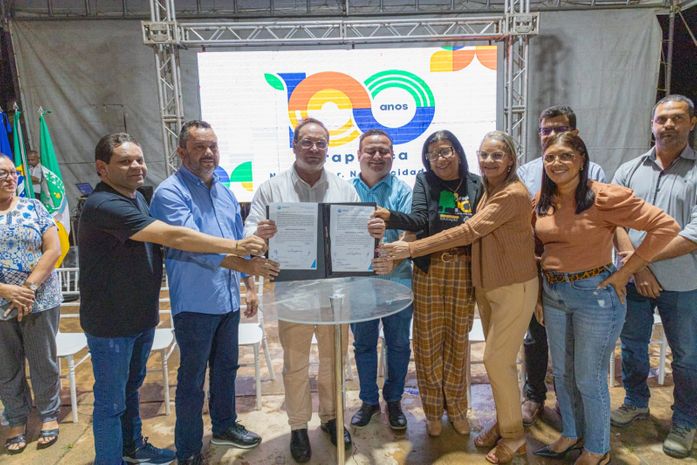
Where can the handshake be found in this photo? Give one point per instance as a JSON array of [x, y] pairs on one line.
[[257, 265]]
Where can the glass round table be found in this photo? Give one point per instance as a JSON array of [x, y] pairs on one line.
[[337, 301]]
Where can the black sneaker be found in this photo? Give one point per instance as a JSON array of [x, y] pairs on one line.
[[149, 454], [397, 419], [364, 414], [300, 445], [195, 460], [330, 428], [237, 436]]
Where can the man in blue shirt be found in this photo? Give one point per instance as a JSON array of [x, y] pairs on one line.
[[377, 184], [205, 295], [553, 120], [665, 176]]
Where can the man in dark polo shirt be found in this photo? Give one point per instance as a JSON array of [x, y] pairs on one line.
[[120, 278]]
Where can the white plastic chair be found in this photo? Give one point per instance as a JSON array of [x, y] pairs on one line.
[[68, 278], [164, 344], [69, 345], [253, 334], [662, 354]]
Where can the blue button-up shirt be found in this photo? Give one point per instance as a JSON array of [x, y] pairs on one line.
[[674, 190], [394, 194], [197, 283]]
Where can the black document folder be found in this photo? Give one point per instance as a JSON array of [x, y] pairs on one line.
[[323, 266]]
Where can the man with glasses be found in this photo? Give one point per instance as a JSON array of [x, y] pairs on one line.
[[553, 120], [306, 181], [665, 176], [377, 184]]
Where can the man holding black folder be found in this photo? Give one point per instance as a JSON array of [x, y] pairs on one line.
[[306, 181]]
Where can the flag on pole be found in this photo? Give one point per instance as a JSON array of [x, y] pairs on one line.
[[53, 191], [24, 188], [5, 128]]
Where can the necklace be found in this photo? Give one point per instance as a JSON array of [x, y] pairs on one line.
[[456, 196]]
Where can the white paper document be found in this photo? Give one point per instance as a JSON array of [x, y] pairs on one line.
[[352, 248], [295, 244]]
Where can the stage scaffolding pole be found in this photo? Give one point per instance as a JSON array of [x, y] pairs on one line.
[[166, 35], [162, 33]]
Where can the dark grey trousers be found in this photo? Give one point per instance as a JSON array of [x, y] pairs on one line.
[[34, 338]]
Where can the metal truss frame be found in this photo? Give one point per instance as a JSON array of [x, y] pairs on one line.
[[167, 36]]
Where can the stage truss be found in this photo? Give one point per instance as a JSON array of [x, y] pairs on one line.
[[513, 28]]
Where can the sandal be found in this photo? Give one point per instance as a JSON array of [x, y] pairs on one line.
[[45, 434], [488, 437], [602, 460], [503, 454], [18, 439]]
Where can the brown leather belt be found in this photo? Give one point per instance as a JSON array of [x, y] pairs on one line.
[[554, 277], [450, 254]]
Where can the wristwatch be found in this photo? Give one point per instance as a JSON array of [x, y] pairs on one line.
[[31, 286]]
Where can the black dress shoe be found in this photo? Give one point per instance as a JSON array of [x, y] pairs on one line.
[[237, 436], [300, 445], [546, 451], [195, 460], [396, 417], [364, 414], [330, 427]]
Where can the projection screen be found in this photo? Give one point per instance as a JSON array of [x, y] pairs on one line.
[[253, 99]]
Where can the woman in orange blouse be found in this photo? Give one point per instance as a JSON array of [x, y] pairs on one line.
[[583, 294], [504, 274]]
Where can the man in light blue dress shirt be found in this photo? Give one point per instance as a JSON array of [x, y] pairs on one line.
[[665, 176], [377, 184], [205, 295], [553, 120]]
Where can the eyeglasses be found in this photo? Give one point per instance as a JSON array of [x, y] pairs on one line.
[[564, 157], [7, 175], [553, 129], [445, 152], [496, 156], [380, 152], [308, 144]]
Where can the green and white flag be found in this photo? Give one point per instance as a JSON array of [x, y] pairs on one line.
[[52, 188]]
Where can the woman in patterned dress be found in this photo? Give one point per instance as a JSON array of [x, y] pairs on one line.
[[30, 299]]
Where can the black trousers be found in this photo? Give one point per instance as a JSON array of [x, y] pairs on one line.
[[536, 359]]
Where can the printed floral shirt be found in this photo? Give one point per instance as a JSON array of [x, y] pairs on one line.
[[21, 239]]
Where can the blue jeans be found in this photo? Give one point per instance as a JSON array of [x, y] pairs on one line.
[[119, 369], [365, 340], [205, 341], [678, 312], [583, 324]]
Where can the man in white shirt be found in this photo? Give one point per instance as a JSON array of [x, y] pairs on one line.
[[36, 171], [306, 181]]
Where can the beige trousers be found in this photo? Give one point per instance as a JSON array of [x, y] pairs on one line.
[[506, 313], [296, 340]]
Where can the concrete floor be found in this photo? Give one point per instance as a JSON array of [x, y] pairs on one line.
[[375, 444]]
